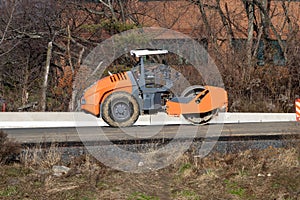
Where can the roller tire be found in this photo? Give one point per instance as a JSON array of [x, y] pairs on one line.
[[120, 109]]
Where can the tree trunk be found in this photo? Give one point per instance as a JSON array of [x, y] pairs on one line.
[[25, 85], [229, 24], [46, 74], [68, 49], [264, 17], [260, 32], [72, 104], [250, 12], [1, 85]]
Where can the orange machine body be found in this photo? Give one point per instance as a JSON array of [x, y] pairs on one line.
[[209, 99], [97, 93]]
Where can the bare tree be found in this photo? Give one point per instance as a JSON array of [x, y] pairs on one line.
[[225, 22], [8, 21], [26, 26], [46, 74], [264, 7], [250, 14]]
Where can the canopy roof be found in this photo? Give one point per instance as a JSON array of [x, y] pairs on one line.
[[144, 52]]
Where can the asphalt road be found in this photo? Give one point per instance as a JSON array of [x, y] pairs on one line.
[[39, 135]]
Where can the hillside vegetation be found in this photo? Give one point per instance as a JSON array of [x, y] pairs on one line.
[[255, 46]]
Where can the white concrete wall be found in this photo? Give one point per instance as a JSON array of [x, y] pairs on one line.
[[70, 119]]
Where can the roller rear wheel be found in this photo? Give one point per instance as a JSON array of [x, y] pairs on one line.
[[120, 109]]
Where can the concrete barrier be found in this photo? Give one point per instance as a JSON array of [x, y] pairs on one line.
[[79, 119]]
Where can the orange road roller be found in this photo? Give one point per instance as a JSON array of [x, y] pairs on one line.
[[119, 99]]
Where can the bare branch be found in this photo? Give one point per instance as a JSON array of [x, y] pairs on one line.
[[8, 23], [269, 22], [225, 24], [9, 50]]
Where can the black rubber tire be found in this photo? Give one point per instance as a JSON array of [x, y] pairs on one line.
[[120, 109]]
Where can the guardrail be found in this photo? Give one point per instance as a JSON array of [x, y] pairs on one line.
[[9, 120]]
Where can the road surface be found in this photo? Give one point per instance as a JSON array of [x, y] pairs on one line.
[[39, 135]]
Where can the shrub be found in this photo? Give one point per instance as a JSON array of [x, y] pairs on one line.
[[9, 149]]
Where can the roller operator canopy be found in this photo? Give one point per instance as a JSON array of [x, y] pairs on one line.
[[145, 52]]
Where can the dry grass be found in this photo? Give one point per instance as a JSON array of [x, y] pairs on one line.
[[37, 157], [272, 173]]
